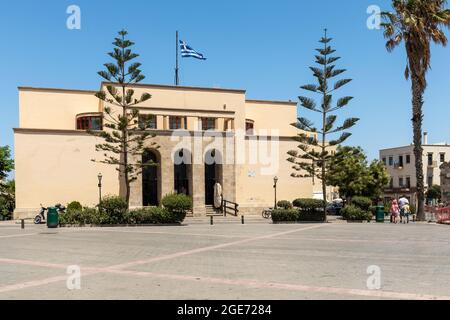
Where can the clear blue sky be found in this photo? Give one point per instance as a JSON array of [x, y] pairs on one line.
[[264, 47]]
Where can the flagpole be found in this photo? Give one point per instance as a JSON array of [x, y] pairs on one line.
[[177, 69]]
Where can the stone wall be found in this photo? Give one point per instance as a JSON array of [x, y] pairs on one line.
[[166, 147]]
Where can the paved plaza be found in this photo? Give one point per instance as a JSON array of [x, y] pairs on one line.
[[257, 260]]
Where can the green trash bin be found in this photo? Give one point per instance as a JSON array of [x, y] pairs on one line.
[[380, 214], [52, 217]]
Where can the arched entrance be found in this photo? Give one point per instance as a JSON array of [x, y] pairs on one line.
[[182, 172], [151, 176], [213, 174]]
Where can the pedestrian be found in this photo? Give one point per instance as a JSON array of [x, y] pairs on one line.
[[406, 213], [395, 211], [401, 204]]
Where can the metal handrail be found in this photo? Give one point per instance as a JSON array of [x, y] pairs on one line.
[[228, 205]]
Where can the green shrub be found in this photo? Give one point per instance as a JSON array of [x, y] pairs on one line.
[[285, 215], [177, 203], [115, 209], [74, 206], [296, 215], [311, 216], [309, 204], [155, 215], [353, 213], [363, 203], [284, 204]]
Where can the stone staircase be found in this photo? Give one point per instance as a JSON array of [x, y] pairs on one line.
[[210, 211]]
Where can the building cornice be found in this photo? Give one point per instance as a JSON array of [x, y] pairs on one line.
[[50, 131], [184, 88], [156, 132], [289, 103], [91, 92], [201, 111]]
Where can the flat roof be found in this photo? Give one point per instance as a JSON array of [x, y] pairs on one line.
[[412, 146], [290, 103], [173, 87], [57, 90]]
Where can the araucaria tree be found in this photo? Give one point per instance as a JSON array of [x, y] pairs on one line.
[[124, 140], [318, 142], [6, 164], [417, 23]]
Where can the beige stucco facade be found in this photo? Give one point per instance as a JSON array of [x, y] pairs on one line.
[[400, 165], [53, 158]]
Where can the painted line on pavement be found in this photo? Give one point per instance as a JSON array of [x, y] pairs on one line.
[[209, 248], [290, 287], [91, 271], [239, 283]]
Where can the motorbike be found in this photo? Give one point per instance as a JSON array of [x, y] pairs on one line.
[[40, 218]]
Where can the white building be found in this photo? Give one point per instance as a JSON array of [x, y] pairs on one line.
[[400, 164]]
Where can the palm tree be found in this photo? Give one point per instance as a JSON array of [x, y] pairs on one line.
[[417, 23]]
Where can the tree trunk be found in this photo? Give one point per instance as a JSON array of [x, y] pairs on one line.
[[324, 190], [417, 103], [125, 151]]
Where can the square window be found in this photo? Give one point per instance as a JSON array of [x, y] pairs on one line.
[[176, 123], [430, 159], [208, 124], [147, 121], [408, 182], [391, 161], [442, 156], [250, 128], [408, 159]]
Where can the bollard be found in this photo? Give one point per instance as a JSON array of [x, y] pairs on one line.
[[212, 220], [23, 224], [243, 221]]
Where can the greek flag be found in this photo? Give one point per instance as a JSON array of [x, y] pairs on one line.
[[188, 52]]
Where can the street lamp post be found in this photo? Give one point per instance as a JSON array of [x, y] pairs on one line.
[[275, 181], [100, 177]]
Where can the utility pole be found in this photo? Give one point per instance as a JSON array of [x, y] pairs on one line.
[[177, 69]]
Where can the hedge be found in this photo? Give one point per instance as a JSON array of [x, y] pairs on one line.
[[113, 210], [363, 203], [309, 204], [180, 203], [296, 215], [284, 204], [74, 206], [353, 213]]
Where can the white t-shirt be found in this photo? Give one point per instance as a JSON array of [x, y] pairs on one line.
[[402, 202]]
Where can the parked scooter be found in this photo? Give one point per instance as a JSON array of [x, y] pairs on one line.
[[40, 218]]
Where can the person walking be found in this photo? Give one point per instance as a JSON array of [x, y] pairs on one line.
[[406, 213], [401, 204], [395, 211]]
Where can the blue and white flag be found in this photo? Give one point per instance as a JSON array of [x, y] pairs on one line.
[[188, 52]]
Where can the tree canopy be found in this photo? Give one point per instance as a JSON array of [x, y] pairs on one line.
[[6, 163], [354, 175]]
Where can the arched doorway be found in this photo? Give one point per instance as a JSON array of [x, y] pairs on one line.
[[151, 175], [182, 172], [213, 174]]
